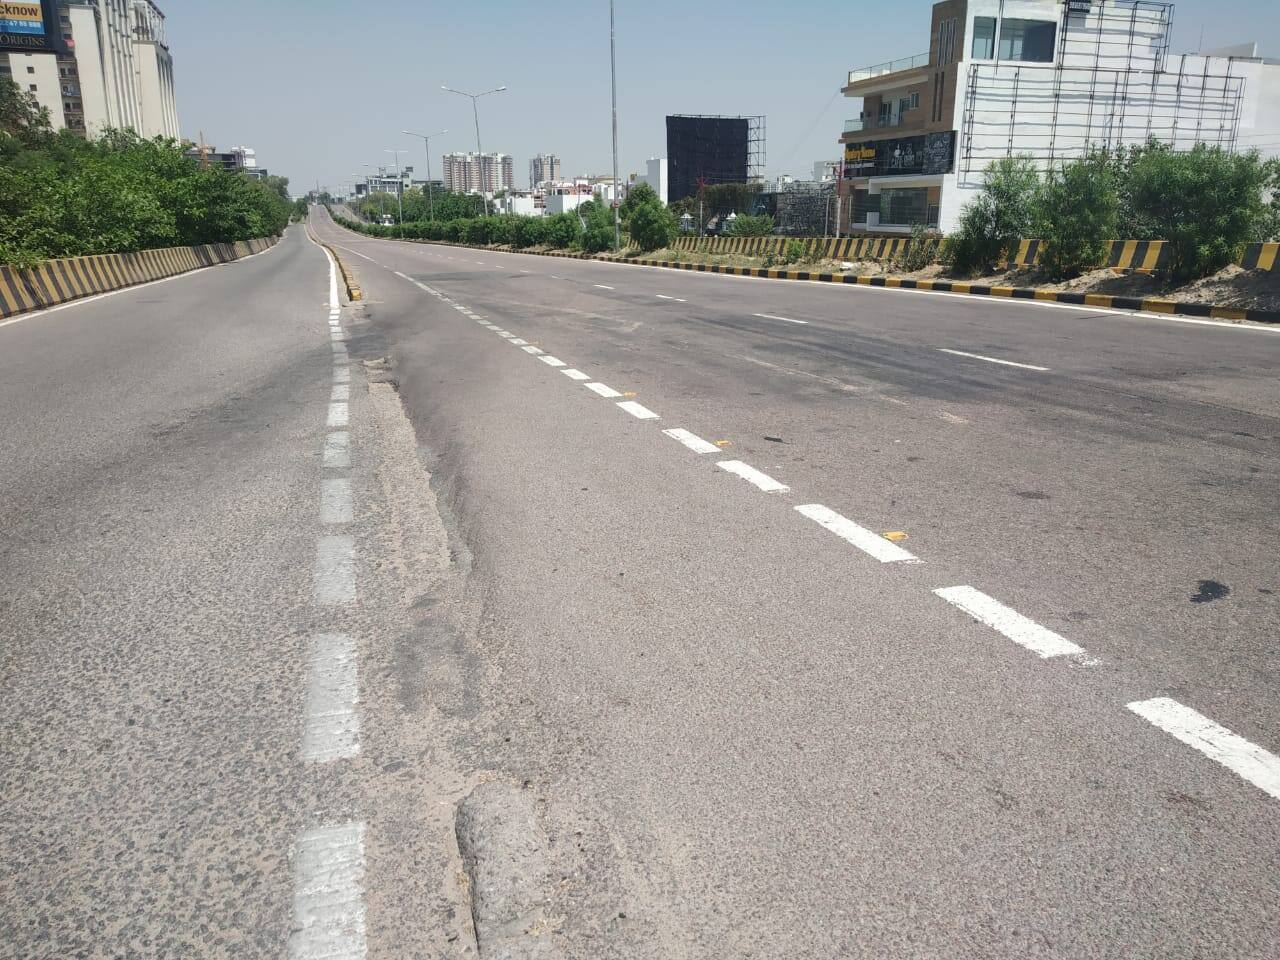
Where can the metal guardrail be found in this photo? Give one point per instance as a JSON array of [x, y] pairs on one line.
[[889, 66]]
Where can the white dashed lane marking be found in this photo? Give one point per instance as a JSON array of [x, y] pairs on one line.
[[691, 440], [530, 349], [770, 316], [337, 450], [1260, 767], [860, 537], [518, 341], [551, 361], [663, 296], [753, 476], [335, 500], [335, 571], [603, 390], [573, 374], [341, 391], [328, 905], [1022, 631], [602, 286], [1006, 363], [332, 727], [339, 414], [341, 375], [637, 410]]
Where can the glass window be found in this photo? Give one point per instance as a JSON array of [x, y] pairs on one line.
[[984, 38], [904, 207], [1027, 40]]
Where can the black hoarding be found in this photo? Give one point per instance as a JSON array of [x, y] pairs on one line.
[[928, 153], [712, 149], [30, 26]]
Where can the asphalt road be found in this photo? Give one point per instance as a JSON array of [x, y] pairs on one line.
[[286, 580], [787, 747]]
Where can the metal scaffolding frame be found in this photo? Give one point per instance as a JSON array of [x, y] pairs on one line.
[[708, 144]]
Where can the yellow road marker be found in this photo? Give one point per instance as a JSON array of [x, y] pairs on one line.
[[895, 535], [722, 443]]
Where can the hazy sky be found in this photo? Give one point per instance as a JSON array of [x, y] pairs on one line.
[[321, 87]]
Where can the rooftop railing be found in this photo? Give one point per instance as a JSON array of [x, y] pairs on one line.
[[889, 66]]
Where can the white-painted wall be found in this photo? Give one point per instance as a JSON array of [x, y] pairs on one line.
[[655, 176], [40, 69]]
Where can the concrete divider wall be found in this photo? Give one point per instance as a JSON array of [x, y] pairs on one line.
[[52, 282]]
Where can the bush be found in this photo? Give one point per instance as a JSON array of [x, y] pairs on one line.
[[794, 251], [641, 193], [563, 230], [653, 226], [455, 231], [1078, 212], [993, 222], [919, 251], [529, 231], [1207, 203], [746, 225]]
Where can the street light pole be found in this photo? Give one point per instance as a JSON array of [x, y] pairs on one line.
[[475, 112], [613, 76], [399, 185], [426, 145]]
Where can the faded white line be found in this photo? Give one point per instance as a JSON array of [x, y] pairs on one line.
[[602, 286], [339, 414], [753, 476], [551, 361], [573, 374], [504, 333], [332, 727], [637, 410], [663, 296], [335, 500], [1248, 760], [519, 342], [335, 573], [1006, 363], [604, 391], [865, 540], [340, 391], [1015, 626], [530, 349], [341, 374], [770, 316], [336, 450], [328, 904], [402, 276], [691, 440]]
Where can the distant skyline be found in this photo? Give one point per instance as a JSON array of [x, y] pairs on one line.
[[319, 96]]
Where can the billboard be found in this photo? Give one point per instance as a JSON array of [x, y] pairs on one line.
[[928, 153], [30, 26], [708, 149]]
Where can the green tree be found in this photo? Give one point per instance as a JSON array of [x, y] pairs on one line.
[[598, 235], [992, 223], [653, 226], [640, 193], [1078, 213]]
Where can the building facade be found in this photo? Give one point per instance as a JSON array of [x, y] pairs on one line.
[[544, 168], [655, 175], [1048, 79], [117, 73], [477, 172]]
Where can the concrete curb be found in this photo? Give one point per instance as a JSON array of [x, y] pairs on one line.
[[53, 282], [348, 278], [1101, 300]]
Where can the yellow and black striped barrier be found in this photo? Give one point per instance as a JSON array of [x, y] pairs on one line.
[[51, 282], [1261, 256]]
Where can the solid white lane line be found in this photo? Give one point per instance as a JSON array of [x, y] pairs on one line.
[[335, 500], [335, 573], [551, 361], [869, 543], [573, 374], [753, 476], [341, 391], [336, 450], [1015, 626], [518, 341], [602, 286], [332, 727], [530, 349], [339, 414], [328, 905], [691, 440], [341, 374], [1005, 363], [1248, 760], [604, 391], [770, 316], [637, 410]]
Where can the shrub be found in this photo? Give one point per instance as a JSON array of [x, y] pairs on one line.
[[1078, 213], [794, 251], [529, 231], [1207, 203], [746, 225], [919, 251], [993, 222], [652, 226], [563, 230], [455, 230], [641, 193]]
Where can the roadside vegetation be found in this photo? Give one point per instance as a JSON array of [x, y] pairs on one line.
[[62, 195]]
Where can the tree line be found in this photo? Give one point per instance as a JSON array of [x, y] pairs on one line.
[[63, 195]]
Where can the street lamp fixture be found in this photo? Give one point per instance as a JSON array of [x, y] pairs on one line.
[[426, 145], [475, 112]]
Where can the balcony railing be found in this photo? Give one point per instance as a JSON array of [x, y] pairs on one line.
[[858, 124], [889, 66]]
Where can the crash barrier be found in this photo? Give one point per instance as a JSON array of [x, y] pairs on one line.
[[51, 282]]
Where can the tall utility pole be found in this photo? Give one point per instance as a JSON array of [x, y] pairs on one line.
[[617, 187], [426, 145], [399, 184], [475, 112]]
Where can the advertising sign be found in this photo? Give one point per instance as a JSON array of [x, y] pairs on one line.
[[928, 153], [30, 26]]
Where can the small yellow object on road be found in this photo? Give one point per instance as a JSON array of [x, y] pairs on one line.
[[722, 443], [895, 535]]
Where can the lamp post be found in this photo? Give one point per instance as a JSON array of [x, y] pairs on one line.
[[399, 185], [426, 146], [475, 112], [613, 79]]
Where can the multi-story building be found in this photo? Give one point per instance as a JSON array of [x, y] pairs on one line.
[[544, 168], [655, 175], [478, 172], [117, 72], [1048, 79]]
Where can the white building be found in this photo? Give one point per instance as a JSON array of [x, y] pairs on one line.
[[1045, 78], [544, 168], [655, 176], [477, 172], [555, 203], [118, 71], [522, 203]]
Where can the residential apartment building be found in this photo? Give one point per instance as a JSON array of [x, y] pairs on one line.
[[544, 168], [1049, 79], [117, 73], [655, 175], [478, 172]]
